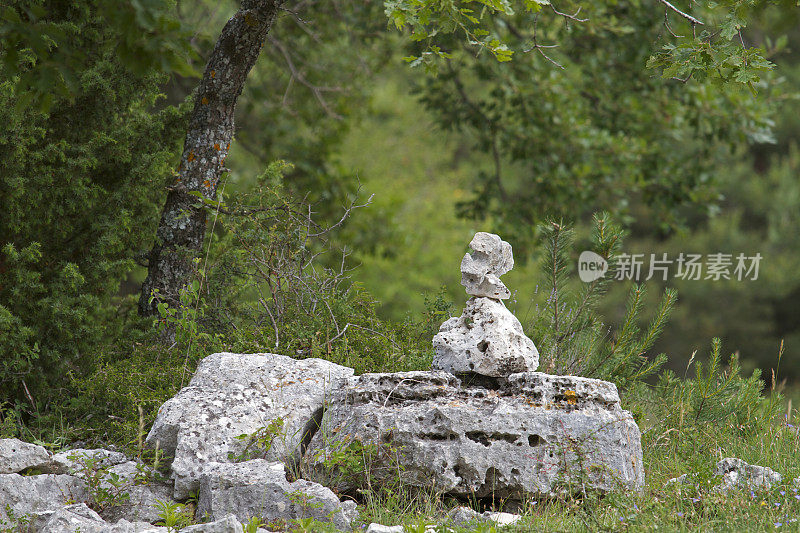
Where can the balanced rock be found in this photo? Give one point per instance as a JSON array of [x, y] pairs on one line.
[[491, 257], [235, 394], [531, 434], [487, 339]]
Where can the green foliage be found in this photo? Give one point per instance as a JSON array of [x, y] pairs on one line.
[[571, 336], [45, 53], [172, 515], [79, 203], [105, 488], [720, 395], [252, 525], [594, 131]]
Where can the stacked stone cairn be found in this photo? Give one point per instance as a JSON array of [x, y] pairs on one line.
[[482, 422]]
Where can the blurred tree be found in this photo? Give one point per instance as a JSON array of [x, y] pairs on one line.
[[434, 24]]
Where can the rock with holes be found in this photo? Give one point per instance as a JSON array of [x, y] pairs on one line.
[[231, 395], [491, 257], [487, 339], [737, 474], [529, 433], [259, 488]]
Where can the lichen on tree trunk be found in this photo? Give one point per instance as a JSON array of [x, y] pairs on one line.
[[182, 227]]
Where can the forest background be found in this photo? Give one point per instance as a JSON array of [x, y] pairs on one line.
[[92, 130]]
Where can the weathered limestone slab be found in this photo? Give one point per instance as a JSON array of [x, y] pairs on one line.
[[260, 488], [487, 339], [26, 495], [73, 461], [16, 456], [234, 394], [71, 519], [229, 524], [530, 434], [481, 270]]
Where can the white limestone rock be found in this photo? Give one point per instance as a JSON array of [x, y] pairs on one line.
[[481, 270], [533, 434], [487, 339], [737, 474], [462, 516], [74, 461], [26, 495], [380, 528], [16, 456], [235, 394], [260, 488], [229, 524], [123, 526], [70, 519]]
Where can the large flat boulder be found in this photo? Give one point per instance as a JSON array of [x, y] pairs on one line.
[[233, 394], [531, 433], [259, 488]]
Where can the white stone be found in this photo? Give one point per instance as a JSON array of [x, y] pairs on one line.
[[259, 488], [737, 474], [123, 526], [229, 524], [235, 394], [533, 434], [481, 270], [379, 528], [487, 339], [464, 515], [73, 461], [16, 456], [71, 519]]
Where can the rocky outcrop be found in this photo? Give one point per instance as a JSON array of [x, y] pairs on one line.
[[234, 394], [260, 488], [74, 460], [531, 434], [482, 422]]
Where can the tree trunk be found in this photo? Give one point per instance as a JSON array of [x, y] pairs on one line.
[[182, 227]]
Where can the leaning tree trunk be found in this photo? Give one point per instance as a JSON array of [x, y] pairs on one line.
[[182, 227]]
